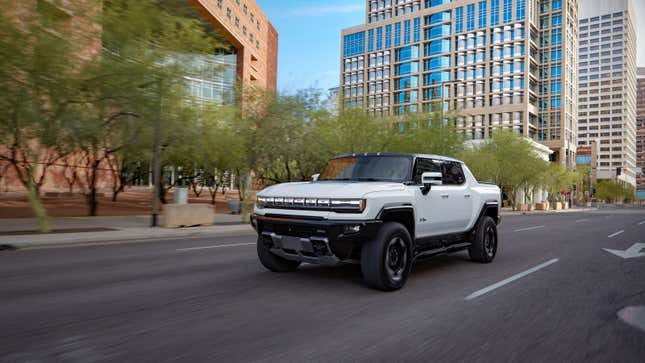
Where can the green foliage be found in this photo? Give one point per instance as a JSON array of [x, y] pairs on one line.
[[508, 160], [613, 191]]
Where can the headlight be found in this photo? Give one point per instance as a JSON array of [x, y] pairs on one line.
[[348, 205]]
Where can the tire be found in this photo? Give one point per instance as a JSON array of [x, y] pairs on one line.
[[484, 245], [386, 261], [273, 262]]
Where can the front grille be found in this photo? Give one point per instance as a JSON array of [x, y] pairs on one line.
[[297, 230]]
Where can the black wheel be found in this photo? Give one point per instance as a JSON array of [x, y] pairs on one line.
[[386, 261], [484, 243], [271, 261]]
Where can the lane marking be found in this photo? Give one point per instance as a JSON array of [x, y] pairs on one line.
[[582, 220], [616, 234], [640, 223], [216, 246], [497, 285], [528, 228]]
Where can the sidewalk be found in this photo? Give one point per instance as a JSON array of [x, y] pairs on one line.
[[510, 212], [20, 232]]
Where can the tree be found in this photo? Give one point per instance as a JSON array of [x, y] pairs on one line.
[[429, 134], [139, 80], [510, 161], [613, 191], [38, 86]]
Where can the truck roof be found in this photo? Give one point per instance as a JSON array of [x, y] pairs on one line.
[[413, 155]]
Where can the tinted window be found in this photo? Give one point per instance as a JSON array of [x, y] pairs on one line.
[[423, 166], [368, 168], [452, 173]]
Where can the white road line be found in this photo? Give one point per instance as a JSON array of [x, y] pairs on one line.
[[616, 234], [528, 228], [582, 220], [492, 287], [216, 246], [640, 223]]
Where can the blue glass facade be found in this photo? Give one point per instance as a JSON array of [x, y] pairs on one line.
[[459, 20], [417, 30], [439, 17], [379, 38], [370, 40], [520, 10], [431, 3], [354, 44], [482, 15], [397, 34], [388, 36], [494, 12], [406, 32], [508, 11], [470, 17]]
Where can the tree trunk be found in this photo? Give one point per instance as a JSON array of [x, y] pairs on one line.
[[91, 195], [36, 205]]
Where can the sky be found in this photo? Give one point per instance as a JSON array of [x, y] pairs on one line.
[[309, 38]]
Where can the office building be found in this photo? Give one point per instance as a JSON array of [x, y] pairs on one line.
[[640, 132], [507, 64], [607, 86]]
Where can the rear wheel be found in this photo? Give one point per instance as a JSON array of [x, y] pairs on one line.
[[386, 261], [484, 245], [271, 261]]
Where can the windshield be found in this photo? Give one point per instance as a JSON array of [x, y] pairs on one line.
[[369, 168]]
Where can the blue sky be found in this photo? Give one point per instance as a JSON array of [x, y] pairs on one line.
[[309, 31]]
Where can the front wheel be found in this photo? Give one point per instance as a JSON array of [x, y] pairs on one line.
[[484, 245], [386, 261], [271, 261]]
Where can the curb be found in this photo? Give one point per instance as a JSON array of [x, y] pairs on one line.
[[85, 240]]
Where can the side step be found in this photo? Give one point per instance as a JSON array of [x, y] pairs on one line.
[[441, 250]]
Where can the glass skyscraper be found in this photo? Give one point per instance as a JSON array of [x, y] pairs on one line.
[[509, 64]]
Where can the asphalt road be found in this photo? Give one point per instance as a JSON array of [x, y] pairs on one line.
[[175, 301]]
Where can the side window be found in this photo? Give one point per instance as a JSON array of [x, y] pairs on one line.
[[423, 166], [452, 173]]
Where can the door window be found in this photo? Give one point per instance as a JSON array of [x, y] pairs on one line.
[[424, 166], [452, 173]]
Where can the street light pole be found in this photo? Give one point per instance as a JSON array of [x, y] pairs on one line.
[[156, 162]]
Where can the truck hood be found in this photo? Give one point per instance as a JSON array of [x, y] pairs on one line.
[[329, 189]]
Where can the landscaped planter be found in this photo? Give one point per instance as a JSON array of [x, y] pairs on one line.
[[558, 206], [234, 206], [565, 205], [530, 207], [541, 206]]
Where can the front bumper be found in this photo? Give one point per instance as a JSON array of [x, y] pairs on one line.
[[318, 241]]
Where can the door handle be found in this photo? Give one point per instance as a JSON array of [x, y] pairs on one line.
[[444, 196], [466, 195]]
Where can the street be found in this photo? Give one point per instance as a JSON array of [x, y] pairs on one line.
[[553, 293]]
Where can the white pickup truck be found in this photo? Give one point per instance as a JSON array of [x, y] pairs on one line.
[[382, 210]]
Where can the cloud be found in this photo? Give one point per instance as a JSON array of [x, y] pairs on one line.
[[324, 10]]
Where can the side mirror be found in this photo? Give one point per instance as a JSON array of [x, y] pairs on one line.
[[315, 177], [428, 179]]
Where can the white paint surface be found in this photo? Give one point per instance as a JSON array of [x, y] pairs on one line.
[[497, 285]]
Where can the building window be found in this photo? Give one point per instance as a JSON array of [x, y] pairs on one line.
[[354, 44], [219, 4], [397, 34], [228, 13], [556, 20], [482, 14], [406, 32], [494, 12], [520, 12], [459, 20], [370, 40], [388, 36], [508, 11], [379, 38], [557, 5], [237, 22], [470, 17], [417, 30]]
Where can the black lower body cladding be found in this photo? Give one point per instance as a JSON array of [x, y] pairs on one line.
[[337, 239]]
